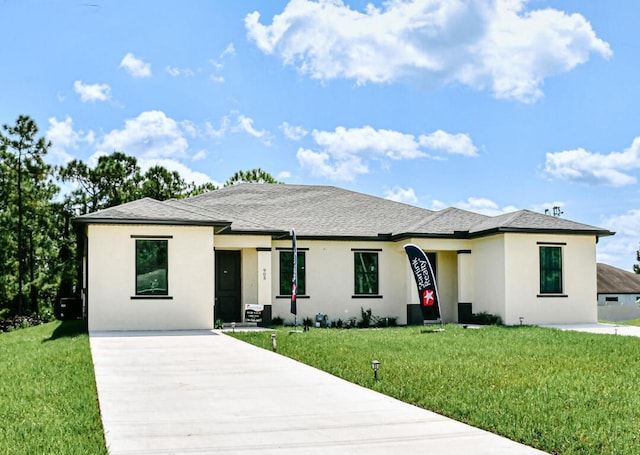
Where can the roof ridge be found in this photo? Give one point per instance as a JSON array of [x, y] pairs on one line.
[[240, 218]]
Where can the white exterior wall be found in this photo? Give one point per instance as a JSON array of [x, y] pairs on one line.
[[500, 276], [522, 280], [329, 276], [112, 279], [488, 263]]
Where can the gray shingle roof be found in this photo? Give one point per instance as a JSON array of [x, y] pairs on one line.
[[311, 210], [150, 211], [612, 280], [326, 211]]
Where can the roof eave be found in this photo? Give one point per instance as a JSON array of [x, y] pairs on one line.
[[500, 230], [149, 221]]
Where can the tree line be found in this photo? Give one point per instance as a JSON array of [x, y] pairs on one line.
[[37, 240]]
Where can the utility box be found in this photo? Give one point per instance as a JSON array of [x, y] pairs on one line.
[[68, 308], [321, 320]]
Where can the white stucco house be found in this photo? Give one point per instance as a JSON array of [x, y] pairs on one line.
[[182, 264]]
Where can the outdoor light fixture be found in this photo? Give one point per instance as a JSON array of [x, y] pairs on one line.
[[233, 326], [274, 344], [375, 365], [521, 319]]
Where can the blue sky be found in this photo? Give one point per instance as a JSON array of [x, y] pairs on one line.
[[486, 105]]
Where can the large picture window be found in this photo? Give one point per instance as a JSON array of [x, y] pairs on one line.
[[366, 273], [550, 270], [151, 267], [286, 272]]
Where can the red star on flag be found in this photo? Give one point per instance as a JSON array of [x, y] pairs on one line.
[[427, 298]]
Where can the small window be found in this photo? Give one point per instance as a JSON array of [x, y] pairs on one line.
[[611, 299], [550, 270], [151, 267], [286, 272], [366, 273]]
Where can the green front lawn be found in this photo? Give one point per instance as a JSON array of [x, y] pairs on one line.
[[48, 399], [575, 393]]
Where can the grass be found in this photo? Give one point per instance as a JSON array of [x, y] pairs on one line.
[[48, 399], [635, 322], [570, 392]]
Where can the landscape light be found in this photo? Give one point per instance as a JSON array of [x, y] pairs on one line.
[[375, 365], [274, 344]]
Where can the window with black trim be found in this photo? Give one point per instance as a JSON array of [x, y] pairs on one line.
[[550, 269], [151, 267], [286, 272], [365, 273]]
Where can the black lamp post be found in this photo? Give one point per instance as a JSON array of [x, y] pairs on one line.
[[375, 365]]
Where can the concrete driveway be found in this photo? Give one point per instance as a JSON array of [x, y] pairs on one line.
[[206, 392]]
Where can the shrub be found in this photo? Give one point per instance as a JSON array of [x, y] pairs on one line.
[[485, 318], [277, 321]]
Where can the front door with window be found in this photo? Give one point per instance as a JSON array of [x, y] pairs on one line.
[[228, 291]]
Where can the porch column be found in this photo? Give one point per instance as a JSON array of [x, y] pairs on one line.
[[465, 285], [264, 276]]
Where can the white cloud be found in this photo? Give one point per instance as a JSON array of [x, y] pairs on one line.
[[458, 144], [496, 45], [218, 65], [398, 194], [175, 71], [480, 205], [201, 155], [294, 133], [282, 175], [318, 163], [580, 165], [245, 124], [64, 138], [188, 174], [150, 135], [229, 50], [218, 133], [135, 66], [346, 149], [235, 122], [92, 92]]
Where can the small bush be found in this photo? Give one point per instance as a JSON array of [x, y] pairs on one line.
[[277, 321], [387, 322], [485, 318], [366, 318]]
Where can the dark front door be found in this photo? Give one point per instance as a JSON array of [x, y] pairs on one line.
[[228, 302]]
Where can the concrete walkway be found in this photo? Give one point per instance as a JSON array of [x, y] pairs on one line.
[[205, 392]]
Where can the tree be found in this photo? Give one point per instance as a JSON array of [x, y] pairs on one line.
[[252, 176], [158, 183], [115, 180], [26, 194]]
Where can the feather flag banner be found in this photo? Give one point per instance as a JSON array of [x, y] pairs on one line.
[[426, 282], [294, 280]]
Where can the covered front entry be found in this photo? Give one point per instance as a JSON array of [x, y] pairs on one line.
[[228, 286]]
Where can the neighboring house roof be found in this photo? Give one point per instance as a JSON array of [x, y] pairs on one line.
[[612, 280], [327, 211]]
